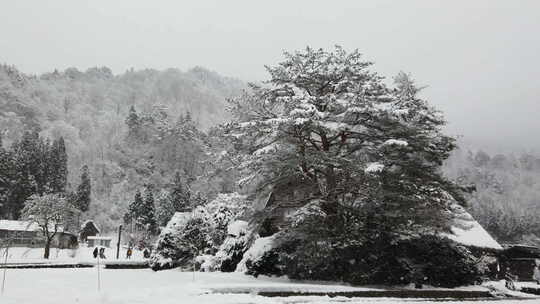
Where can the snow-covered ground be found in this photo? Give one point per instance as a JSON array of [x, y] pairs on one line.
[[81, 255], [59, 286]]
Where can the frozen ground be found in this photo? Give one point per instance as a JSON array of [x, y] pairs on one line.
[[59, 286]]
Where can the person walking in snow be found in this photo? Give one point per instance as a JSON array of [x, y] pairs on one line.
[[102, 253], [510, 279], [536, 272], [95, 253], [129, 253]]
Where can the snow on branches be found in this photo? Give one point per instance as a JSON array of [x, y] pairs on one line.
[[326, 118]]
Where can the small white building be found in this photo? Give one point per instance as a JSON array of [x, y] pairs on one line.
[[94, 241]]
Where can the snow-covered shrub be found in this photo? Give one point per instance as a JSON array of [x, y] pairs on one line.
[[198, 233], [223, 210], [269, 263], [206, 263], [439, 261], [232, 249], [255, 253], [428, 260], [167, 252]]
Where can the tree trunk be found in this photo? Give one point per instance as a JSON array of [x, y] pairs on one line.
[[330, 206], [47, 249]]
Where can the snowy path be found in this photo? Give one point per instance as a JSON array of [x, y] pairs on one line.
[[69, 286]]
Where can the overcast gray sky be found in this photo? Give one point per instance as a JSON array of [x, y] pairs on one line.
[[481, 59]]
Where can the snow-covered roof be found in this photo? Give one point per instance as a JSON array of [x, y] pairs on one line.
[[179, 217], [11, 225], [374, 167], [395, 142], [87, 222], [467, 231], [177, 221], [237, 228]]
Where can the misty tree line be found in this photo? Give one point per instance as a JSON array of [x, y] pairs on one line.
[[507, 192]]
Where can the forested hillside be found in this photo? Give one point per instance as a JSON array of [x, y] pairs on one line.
[[131, 130]]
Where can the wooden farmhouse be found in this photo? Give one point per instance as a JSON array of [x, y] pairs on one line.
[[29, 234]]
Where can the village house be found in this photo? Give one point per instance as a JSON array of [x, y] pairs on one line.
[[88, 228], [281, 201], [520, 261], [29, 234], [21, 234]]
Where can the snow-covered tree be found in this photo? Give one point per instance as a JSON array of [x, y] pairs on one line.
[[49, 212], [325, 119], [200, 232], [180, 194], [168, 252], [164, 208], [234, 246], [146, 216], [134, 123], [84, 190], [57, 161]]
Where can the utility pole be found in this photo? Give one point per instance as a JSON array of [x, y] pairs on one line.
[[5, 267], [98, 274], [118, 244]]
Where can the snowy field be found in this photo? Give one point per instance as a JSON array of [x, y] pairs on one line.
[[59, 286], [81, 255]]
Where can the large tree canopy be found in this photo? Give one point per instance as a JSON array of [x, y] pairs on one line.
[[325, 119]]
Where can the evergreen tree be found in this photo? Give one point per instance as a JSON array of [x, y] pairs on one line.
[[6, 176], [134, 123], [198, 200], [134, 208], [57, 166], [142, 210], [164, 208], [62, 163], [147, 212], [180, 195], [28, 161], [32, 165], [366, 159], [84, 190], [187, 118], [328, 123]]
